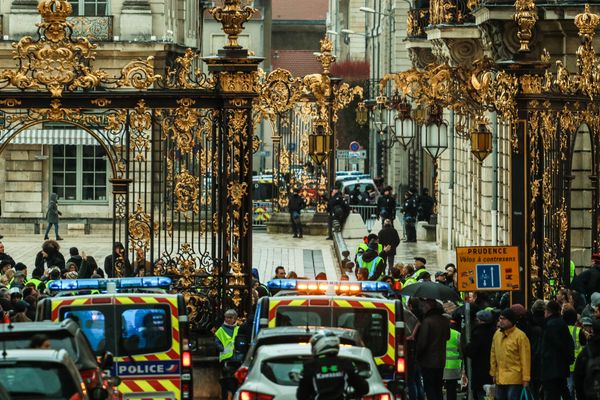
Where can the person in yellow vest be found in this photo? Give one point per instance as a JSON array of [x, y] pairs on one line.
[[419, 268], [225, 340], [569, 315], [453, 370], [371, 261]]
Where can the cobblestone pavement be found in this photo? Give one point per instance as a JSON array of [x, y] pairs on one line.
[[307, 256]]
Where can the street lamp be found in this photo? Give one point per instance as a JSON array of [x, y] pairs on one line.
[[434, 134], [362, 114], [404, 125], [318, 143], [481, 141]]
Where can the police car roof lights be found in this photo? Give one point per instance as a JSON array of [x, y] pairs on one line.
[[325, 286], [101, 284]]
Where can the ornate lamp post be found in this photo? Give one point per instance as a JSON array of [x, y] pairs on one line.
[[481, 141], [319, 143], [434, 134]]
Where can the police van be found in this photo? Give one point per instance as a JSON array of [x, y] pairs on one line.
[[144, 328], [356, 305]]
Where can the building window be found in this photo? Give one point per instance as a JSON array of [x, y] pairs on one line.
[[79, 172], [90, 8]]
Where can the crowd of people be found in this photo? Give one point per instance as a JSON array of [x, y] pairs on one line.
[[20, 292]]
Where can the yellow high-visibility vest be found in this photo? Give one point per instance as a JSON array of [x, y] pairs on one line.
[[227, 341]]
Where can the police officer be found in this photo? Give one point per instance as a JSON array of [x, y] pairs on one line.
[[338, 210], [410, 209], [326, 376], [225, 340]]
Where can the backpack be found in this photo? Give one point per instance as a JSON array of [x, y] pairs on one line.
[[592, 377]]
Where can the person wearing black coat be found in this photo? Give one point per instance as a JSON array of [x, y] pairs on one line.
[[50, 256], [337, 209], [388, 235], [557, 353], [386, 204], [295, 207], [588, 281], [117, 261], [478, 350], [592, 349]]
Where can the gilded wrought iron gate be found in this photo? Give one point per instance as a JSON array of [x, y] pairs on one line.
[[179, 145]]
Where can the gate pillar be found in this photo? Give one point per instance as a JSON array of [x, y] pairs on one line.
[[235, 73]]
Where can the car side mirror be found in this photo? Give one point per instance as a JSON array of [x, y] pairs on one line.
[[107, 361]]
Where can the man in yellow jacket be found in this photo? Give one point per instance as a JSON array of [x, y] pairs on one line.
[[510, 358]]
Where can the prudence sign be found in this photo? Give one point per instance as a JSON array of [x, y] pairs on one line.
[[482, 268]]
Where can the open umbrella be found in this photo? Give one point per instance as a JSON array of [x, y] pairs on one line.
[[431, 290]]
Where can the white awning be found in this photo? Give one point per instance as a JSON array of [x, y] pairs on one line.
[[54, 136]]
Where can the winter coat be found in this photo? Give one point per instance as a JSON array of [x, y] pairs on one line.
[[296, 203], [582, 363], [478, 350], [510, 357], [588, 281], [53, 213], [6, 257], [337, 207], [432, 336], [54, 258], [389, 235], [110, 261], [557, 349], [387, 204]]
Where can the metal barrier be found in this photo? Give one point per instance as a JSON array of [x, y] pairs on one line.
[[367, 213], [261, 213]]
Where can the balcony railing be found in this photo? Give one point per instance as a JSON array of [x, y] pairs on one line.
[[97, 29], [417, 20], [452, 12]]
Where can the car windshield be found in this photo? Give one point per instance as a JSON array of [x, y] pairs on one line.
[[124, 330], [58, 340], [286, 371], [370, 323], [37, 380]]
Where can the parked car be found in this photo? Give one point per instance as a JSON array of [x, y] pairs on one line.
[[65, 335], [41, 374], [287, 335], [275, 371]]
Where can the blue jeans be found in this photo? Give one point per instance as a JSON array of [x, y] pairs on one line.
[[414, 383], [508, 392], [55, 230]]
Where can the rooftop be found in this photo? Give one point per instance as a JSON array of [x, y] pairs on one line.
[[294, 10], [298, 62]]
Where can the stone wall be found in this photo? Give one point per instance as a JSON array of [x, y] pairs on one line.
[[22, 174]]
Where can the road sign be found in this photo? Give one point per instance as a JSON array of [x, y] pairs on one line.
[[488, 268], [351, 155], [354, 146]]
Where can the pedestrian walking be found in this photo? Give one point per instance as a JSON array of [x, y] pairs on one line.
[[388, 236], [557, 354], [432, 336], [478, 350], [409, 208], [587, 367], [225, 340], [52, 216], [295, 207], [510, 358]]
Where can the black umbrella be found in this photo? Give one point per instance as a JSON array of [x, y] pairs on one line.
[[431, 290]]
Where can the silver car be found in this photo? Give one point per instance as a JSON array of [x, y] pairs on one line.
[[283, 364]]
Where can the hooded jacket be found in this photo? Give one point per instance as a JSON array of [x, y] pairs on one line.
[[54, 258], [53, 213], [111, 260]]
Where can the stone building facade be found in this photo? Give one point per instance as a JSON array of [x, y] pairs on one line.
[[61, 157], [474, 198]]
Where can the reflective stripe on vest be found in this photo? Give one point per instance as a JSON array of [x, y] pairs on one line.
[[228, 342], [453, 360], [418, 273], [362, 247], [571, 271], [575, 335], [370, 266]]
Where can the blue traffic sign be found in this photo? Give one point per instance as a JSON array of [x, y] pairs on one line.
[[488, 276], [354, 146]]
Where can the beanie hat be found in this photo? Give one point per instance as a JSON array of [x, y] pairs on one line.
[[595, 300], [509, 315], [484, 316], [519, 310], [20, 266]]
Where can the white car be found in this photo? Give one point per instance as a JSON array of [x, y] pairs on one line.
[[283, 364]]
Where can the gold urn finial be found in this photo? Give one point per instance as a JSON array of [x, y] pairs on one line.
[[525, 17], [587, 22], [232, 17], [325, 56]]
